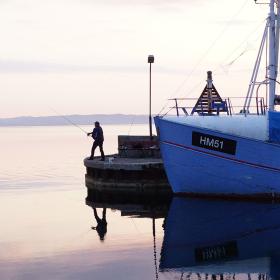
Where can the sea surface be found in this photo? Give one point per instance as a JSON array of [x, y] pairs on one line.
[[49, 226]]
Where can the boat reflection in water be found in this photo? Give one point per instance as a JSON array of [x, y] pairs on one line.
[[211, 239]]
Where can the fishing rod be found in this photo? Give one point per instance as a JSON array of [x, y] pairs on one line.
[[68, 120]]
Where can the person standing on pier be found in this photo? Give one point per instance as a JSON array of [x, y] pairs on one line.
[[97, 135]]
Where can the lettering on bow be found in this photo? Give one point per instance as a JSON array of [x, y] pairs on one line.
[[215, 143]]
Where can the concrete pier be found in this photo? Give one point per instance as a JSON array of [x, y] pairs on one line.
[[133, 175], [137, 169]]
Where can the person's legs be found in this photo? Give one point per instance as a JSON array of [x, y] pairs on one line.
[[98, 220], [101, 151], [94, 145]]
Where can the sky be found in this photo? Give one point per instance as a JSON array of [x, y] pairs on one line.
[[90, 56]]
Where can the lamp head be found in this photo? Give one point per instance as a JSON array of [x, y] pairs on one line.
[[151, 59]]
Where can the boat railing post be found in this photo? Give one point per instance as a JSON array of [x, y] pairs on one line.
[[176, 104], [229, 106], [262, 106], [202, 113], [226, 106]]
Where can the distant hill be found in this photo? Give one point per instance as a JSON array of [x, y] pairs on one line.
[[76, 119]]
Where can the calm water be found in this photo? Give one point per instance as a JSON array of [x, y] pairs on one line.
[[48, 224]]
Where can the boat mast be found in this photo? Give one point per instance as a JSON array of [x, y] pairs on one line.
[[271, 34], [209, 91], [277, 33], [272, 67]]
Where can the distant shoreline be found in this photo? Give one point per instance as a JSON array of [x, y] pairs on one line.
[[75, 119]]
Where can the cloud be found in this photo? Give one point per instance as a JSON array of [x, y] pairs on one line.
[[160, 5], [137, 2], [14, 66], [28, 67]]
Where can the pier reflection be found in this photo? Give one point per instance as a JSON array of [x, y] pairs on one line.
[[211, 239], [140, 206], [137, 206], [155, 207]]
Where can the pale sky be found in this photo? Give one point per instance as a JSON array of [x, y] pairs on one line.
[[90, 56]]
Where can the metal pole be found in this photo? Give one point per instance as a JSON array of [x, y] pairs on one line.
[[277, 35], [151, 60], [150, 104], [272, 57], [155, 246]]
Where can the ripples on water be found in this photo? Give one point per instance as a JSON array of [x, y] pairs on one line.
[[52, 229]]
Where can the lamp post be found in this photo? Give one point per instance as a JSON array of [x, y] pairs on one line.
[[151, 60]]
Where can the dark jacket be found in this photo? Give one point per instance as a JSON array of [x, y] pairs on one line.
[[97, 134]]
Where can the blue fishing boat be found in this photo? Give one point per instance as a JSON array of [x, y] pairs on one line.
[[221, 239], [213, 151]]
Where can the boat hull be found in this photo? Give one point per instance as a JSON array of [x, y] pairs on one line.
[[205, 162]]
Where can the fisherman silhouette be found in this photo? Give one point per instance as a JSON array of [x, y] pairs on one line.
[[101, 227], [97, 135]]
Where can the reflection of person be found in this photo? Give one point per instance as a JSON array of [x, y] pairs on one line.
[[97, 135], [101, 227]]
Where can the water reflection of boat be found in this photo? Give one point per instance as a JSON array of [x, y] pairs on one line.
[[222, 238]]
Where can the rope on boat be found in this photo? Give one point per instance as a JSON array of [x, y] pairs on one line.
[[205, 55], [245, 50], [227, 65]]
